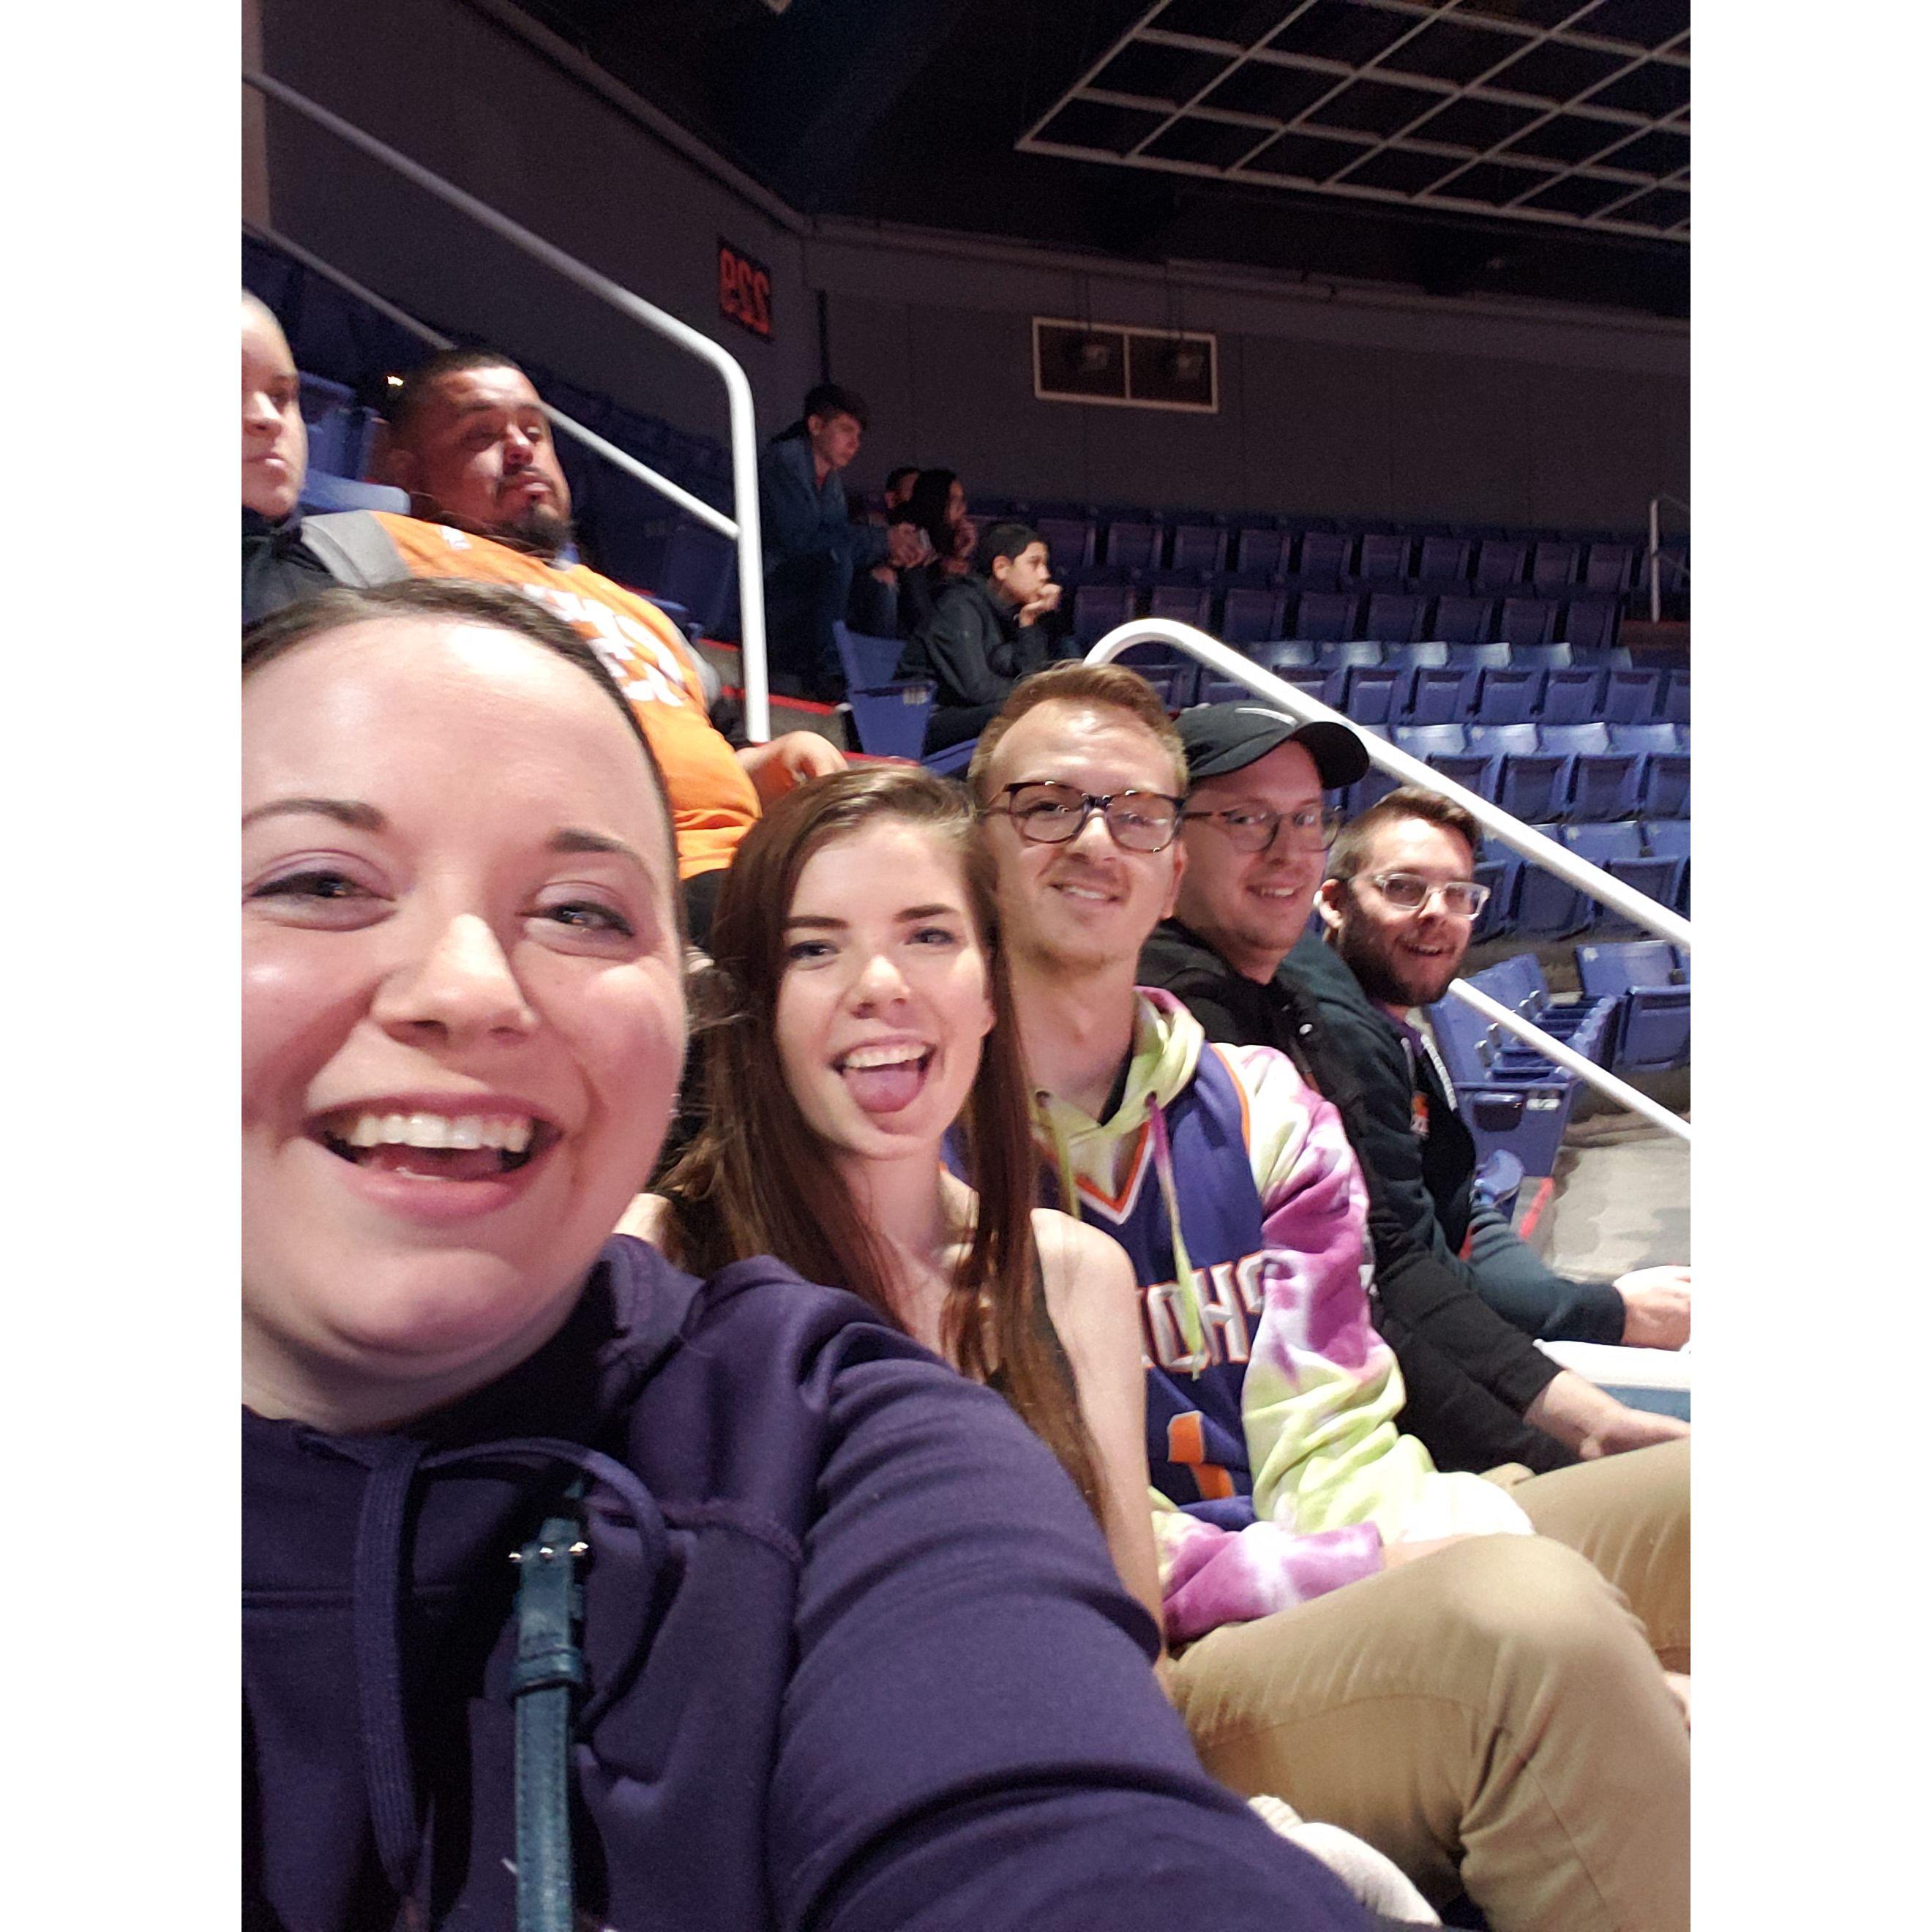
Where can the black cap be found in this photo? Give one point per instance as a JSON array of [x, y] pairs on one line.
[[1222, 738]]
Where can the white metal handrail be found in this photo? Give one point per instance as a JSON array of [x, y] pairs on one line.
[[1656, 546], [743, 527], [1577, 871]]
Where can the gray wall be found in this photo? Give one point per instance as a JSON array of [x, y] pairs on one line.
[[1333, 402]]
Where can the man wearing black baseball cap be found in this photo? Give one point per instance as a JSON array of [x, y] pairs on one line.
[[1257, 831]]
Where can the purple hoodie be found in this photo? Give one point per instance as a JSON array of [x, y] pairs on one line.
[[857, 1657]]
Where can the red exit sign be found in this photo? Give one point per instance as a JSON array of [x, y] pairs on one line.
[[745, 291]]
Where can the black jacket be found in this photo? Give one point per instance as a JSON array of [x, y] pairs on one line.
[[1469, 1374], [974, 648], [278, 567]]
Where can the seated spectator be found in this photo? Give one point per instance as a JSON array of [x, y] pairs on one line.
[[798, 1705], [984, 634], [468, 438], [277, 566], [868, 1011], [1384, 1644], [1256, 837], [812, 548], [1398, 904], [936, 507]]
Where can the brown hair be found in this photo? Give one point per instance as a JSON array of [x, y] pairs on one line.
[[1113, 686], [496, 605], [757, 1180], [1352, 844]]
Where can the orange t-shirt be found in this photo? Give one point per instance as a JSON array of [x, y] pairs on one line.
[[713, 803]]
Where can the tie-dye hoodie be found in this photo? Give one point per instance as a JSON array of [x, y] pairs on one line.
[[1278, 1468]]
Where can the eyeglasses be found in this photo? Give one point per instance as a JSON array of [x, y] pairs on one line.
[[1051, 814], [1409, 892], [1253, 828]]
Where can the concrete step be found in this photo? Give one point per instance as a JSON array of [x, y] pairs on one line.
[[788, 714]]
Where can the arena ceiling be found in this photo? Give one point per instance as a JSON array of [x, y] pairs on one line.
[[1527, 148]]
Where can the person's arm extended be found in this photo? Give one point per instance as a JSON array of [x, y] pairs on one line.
[[786, 761], [969, 1735], [1593, 1423], [1095, 1306]]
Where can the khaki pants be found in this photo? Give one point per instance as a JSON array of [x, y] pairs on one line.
[[1492, 1717]]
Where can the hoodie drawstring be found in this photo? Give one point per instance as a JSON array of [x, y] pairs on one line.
[[547, 1671]]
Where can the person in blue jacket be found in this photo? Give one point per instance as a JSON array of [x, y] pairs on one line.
[[812, 548], [577, 1590]]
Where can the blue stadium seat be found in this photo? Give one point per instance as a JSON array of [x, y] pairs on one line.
[[1446, 749], [888, 714], [1185, 604], [1591, 622], [1676, 705], [321, 493], [1322, 554], [1527, 779], [1604, 784], [1572, 695], [1459, 620], [1250, 616], [1197, 546], [1262, 551], [1173, 672], [1547, 907], [1499, 563], [1630, 694], [1443, 560], [1522, 1112], [1619, 849], [1553, 567], [1395, 617], [1099, 607], [1507, 694], [1653, 1000], [1286, 654], [1384, 556], [1069, 542], [1528, 620], [1664, 752], [1326, 616], [1670, 838], [1610, 566], [1131, 544]]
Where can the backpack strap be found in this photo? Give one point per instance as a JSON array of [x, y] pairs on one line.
[[356, 548]]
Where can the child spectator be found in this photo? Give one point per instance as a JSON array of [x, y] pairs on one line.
[[984, 634]]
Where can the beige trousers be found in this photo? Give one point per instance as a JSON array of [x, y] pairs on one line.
[[1492, 1717]]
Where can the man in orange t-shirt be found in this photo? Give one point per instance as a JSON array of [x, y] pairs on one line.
[[469, 442]]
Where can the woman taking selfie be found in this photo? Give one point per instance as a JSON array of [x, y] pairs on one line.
[[572, 1581]]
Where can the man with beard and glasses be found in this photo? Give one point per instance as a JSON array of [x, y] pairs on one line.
[[1257, 832], [469, 440], [1411, 1653], [1399, 903]]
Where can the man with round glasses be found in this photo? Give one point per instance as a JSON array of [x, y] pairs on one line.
[[1238, 952]]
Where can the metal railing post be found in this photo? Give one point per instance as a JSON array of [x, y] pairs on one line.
[[1656, 591], [737, 388]]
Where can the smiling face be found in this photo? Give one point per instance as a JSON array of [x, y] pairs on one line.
[[274, 438], [1084, 906], [477, 452], [1251, 907], [1402, 959], [884, 998], [463, 1009]]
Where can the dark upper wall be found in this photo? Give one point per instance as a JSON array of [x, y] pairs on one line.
[[1332, 403]]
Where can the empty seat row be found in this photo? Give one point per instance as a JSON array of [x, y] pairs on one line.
[[1081, 541], [1252, 613], [1650, 983], [1549, 772]]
